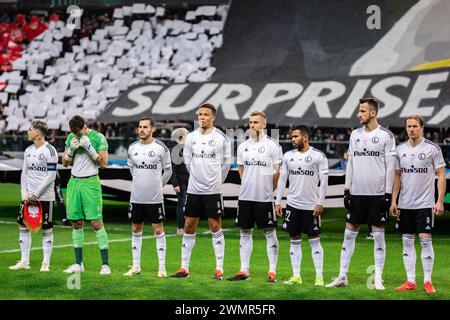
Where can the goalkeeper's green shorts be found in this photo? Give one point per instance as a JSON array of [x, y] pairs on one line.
[[84, 199]]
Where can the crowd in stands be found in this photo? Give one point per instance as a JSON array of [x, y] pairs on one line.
[[59, 71]]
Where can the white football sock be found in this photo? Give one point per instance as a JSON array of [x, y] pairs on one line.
[[348, 247], [186, 250], [219, 248], [317, 255], [245, 249], [136, 247], [295, 253], [161, 249], [379, 251], [409, 256], [427, 258], [25, 244], [272, 249], [47, 245]]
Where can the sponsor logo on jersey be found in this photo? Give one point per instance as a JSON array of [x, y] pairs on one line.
[[146, 166], [375, 139], [366, 153], [34, 167], [204, 154], [301, 172], [422, 156], [255, 163], [414, 170]]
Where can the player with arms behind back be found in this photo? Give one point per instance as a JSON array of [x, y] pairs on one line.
[[418, 161]]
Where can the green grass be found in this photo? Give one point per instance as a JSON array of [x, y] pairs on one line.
[[31, 284]]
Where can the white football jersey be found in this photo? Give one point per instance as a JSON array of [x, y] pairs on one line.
[[37, 164], [258, 159], [368, 151], [204, 155], [417, 167], [303, 170], [148, 162]]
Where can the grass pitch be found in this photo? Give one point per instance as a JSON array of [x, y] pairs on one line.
[[32, 284]]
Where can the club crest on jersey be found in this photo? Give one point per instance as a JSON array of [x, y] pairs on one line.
[[261, 150], [375, 139], [151, 154], [41, 156], [422, 156], [308, 159], [211, 143]]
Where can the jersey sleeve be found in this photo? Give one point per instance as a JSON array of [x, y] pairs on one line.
[[187, 151], [166, 161], [397, 162], [240, 161], [129, 159], [389, 148], [323, 164], [226, 151], [52, 159], [438, 159], [284, 165], [277, 154], [103, 143], [69, 138]]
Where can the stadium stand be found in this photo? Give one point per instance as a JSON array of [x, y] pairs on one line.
[[61, 72]]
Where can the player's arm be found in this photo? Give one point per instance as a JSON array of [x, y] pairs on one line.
[[167, 167], [51, 176], [241, 170], [277, 158], [395, 191], [187, 153], [129, 161], [348, 182], [100, 157], [226, 160], [439, 207], [323, 179], [281, 186], [69, 152], [390, 159], [276, 175], [23, 181]]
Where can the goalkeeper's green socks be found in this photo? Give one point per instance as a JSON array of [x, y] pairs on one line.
[[102, 240], [78, 241]]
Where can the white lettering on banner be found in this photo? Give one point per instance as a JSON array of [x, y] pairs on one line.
[[443, 114], [143, 103], [391, 102], [164, 104], [270, 94], [312, 96], [223, 98], [359, 90], [238, 100], [420, 92]]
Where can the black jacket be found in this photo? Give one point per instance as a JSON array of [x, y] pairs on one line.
[[180, 175]]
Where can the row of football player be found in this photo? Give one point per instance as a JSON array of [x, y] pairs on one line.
[[377, 174]]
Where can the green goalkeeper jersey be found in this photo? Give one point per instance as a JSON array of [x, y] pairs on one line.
[[83, 165]]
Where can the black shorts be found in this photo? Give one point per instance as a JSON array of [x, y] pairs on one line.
[[249, 212], [367, 210], [47, 215], [415, 221], [209, 205], [297, 221], [141, 212]]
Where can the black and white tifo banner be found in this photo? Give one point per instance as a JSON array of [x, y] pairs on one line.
[[333, 102]]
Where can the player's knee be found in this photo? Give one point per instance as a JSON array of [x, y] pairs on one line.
[[158, 229], [96, 225], [295, 236], [77, 224], [352, 227], [137, 227], [214, 225]]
